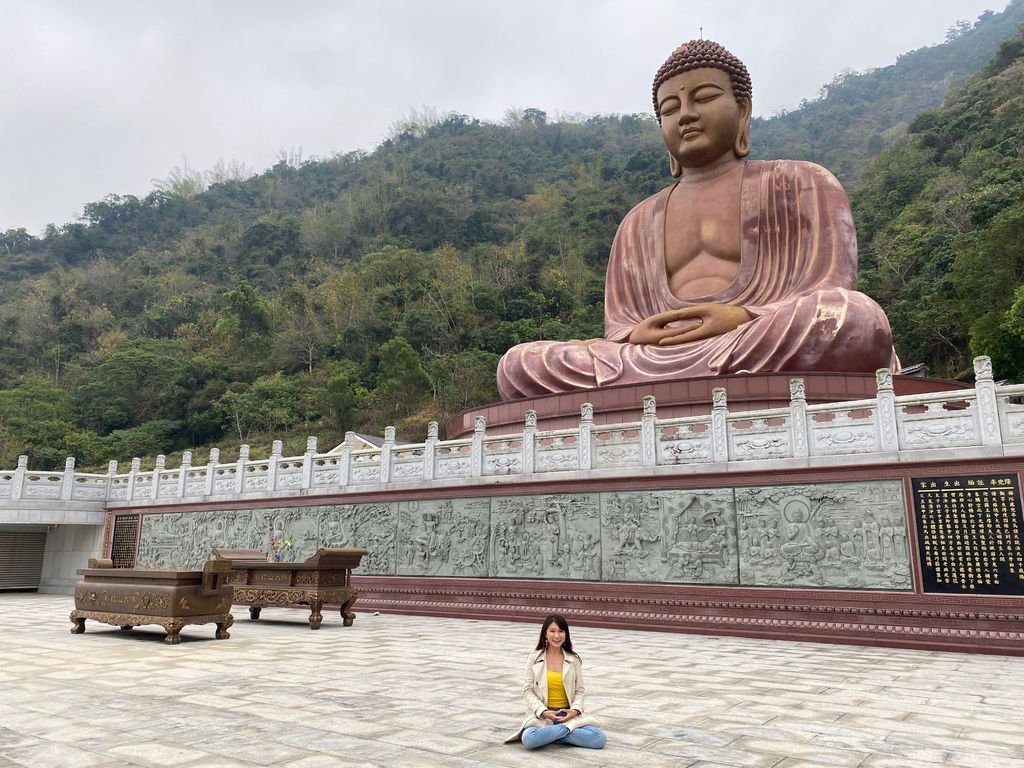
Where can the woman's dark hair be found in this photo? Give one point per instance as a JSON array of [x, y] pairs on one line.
[[556, 618]]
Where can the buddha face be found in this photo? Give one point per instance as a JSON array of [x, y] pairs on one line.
[[701, 121]]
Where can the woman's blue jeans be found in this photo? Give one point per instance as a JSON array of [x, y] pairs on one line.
[[588, 736]]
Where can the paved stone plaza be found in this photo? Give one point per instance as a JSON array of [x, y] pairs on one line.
[[405, 692]]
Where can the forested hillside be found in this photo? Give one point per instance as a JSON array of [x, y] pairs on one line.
[[941, 226], [381, 288], [860, 113], [349, 293]]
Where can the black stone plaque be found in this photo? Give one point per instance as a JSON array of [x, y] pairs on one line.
[[969, 534]]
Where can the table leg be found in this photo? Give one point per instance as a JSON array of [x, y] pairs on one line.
[[315, 617], [347, 614], [173, 629]]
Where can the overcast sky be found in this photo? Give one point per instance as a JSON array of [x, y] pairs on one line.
[[105, 96]]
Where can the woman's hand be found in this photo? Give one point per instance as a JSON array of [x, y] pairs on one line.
[[679, 326], [569, 715]]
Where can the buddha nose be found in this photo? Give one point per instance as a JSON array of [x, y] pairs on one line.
[[687, 114]]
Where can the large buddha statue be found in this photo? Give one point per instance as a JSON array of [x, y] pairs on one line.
[[740, 266]]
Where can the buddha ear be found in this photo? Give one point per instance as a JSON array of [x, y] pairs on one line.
[[742, 145], [674, 167]]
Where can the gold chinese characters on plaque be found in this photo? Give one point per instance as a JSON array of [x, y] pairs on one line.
[[969, 534]]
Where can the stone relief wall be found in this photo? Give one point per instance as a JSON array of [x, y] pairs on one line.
[[850, 536], [839, 535]]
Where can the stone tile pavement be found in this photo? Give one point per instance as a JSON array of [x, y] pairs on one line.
[[411, 692]]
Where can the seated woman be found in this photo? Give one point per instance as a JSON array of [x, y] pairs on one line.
[[739, 267], [554, 693]]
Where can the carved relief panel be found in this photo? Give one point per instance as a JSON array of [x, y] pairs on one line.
[[842, 535], [445, 537], [669, 536], [370, 526], [555, 536]]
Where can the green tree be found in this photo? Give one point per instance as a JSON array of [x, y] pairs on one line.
[[268, 404]]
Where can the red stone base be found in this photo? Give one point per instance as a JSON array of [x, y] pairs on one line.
[[972, 624], [685, 397]]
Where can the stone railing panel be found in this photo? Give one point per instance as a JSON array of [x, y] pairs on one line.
[[760, 435], [42, 485], [557, 451], [90, 487], [365, 467], [144, 486], [326, 471], [118, 490], [256, 477], [224, 479], [6, 484], [503, 456], [851, 429], [289, 474], [615, 446], [407, 464], [930, 422], [452, 459], [684, 441], [1010, 404], [167, 484]]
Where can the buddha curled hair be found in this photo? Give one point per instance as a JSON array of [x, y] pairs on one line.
[[697, 54]]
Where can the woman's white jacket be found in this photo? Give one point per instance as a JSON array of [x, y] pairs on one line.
[[535, 691]]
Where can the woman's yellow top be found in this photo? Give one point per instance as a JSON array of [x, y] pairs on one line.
[[556, 691]]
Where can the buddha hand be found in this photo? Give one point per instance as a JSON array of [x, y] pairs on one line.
[[681, 326]]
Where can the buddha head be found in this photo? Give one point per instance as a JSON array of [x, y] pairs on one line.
[[702, 100]]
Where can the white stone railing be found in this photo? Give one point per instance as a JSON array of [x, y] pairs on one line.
[[987, 420]]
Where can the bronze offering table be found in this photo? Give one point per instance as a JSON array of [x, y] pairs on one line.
[[129, 597], [325, 578]]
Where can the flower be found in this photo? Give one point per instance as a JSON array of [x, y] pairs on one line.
[[279, 544]]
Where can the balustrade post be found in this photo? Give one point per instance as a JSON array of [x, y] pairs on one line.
[[384, 471], [648, 447], [988, 406], [275, 458], [430, 451], [798, 418], [111, 474], [183, 470], [586, 436], [887, 425], [307, 463], [132, 474], [18, 484], [345, 461], [529, 441], [67, 485], [476, 451], [243, 458], [211, 471], [158, 469], [719, 425]]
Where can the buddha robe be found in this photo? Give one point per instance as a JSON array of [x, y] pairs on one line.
[[797, 278]]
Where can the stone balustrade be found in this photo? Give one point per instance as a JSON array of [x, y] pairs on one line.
[[987, 420]]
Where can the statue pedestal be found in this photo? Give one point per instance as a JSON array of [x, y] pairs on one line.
[[685, 397]]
